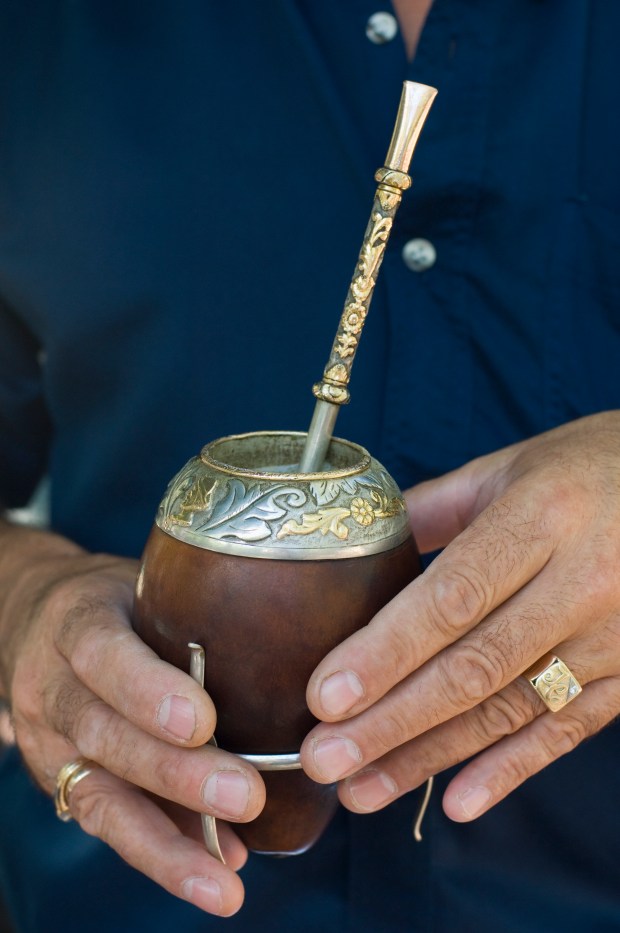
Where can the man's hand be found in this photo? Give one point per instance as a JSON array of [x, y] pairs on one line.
[[532, 550], [81, 683]]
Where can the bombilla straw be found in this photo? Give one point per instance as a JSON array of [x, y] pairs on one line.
[[332, 392], [209, 826]]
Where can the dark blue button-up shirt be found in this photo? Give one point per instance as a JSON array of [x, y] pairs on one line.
[[183, 193]]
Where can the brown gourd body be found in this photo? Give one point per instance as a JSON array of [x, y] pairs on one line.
[[268, 565], [265, 624]]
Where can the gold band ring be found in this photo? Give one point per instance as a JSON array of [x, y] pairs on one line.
[[66, 779], [553, 681]]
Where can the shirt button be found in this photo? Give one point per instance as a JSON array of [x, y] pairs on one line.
[[381, 28], [419, 255]]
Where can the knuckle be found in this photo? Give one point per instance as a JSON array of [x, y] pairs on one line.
[[496, 718], [84, 609], [515, 769], [458, 598], [79, 614], [469, 675], [90, 651], [59, 596], [62, 703], [400, 654], [95, 810], [560, 491], [392, 729], [598, 578], [564, 496], [514, 635], [96, 730], [560, 735], [171, 778]]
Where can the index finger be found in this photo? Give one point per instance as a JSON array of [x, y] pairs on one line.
[[503, 548], [104, 652]]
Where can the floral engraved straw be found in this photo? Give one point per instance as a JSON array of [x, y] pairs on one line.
[[332, 391]]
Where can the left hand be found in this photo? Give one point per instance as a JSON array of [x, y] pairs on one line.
[[530, 566]]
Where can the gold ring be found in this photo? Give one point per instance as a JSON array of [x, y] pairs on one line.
[[66, 779], [553, 681]]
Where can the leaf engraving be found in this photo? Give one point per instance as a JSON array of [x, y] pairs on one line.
[[352, 484], [245, 512], [324, 491], [325, 520]]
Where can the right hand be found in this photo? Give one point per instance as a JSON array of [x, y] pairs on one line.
[[81, 683]]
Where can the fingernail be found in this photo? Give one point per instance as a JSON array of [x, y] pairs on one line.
[[177, 716], [371, 788], [227, 792], [474, 801], [203, 892], [340, 691], [334, 757]]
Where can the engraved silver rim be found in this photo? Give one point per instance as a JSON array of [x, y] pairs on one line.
[[243, 497], [265, 552], [358, 466]]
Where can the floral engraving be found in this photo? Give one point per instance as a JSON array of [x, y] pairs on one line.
[[362, 511], [252, 510], [332, 520], [363, 284], [387, 508]]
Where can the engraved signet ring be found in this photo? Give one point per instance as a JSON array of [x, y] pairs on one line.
[[553, 681], [66, 779]]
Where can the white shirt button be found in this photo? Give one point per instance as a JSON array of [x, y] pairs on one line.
[[419, 255], [381, 28]]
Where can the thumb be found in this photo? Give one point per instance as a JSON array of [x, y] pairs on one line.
[[440, 509]]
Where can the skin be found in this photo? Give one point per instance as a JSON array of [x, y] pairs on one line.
[[532, 545], [81, 683], [532, 542], [411, 15]]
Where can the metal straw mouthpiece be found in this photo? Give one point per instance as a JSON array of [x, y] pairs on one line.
[[332, 391]]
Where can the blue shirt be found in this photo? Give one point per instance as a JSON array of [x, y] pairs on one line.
[[182, 197]]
